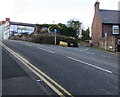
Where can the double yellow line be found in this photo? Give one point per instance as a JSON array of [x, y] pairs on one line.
[[38, 72]]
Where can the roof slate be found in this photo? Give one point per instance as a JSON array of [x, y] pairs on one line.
[[110, 16]]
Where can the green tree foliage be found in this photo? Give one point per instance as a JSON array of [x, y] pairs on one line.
[[61, 29], [61, 25], [68, 31], [76, 24], [85, 35]]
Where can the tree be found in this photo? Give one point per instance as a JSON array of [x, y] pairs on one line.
[[67, 31], [76, 24], [61, 25], [85, 35]]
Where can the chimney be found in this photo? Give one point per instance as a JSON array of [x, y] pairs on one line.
[[97, 6], [7, 19]]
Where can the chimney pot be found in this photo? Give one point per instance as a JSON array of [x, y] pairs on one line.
[[97, 6]]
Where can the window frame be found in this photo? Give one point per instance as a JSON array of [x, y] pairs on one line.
[[115, 27]]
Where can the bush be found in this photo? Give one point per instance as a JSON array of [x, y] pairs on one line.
[[50, 39], [47, 39]]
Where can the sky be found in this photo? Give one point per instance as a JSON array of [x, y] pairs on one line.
[[47, 11]]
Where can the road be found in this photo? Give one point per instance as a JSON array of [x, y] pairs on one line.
[[15, 80], [68, 71]]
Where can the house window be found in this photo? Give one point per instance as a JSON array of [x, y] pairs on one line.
[[115, 29]]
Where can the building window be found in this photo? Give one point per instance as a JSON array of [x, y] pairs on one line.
[[115, 29]]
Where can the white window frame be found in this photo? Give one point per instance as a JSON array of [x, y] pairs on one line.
[[115, 27]]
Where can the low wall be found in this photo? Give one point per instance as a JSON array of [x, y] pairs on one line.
[[110, 43]]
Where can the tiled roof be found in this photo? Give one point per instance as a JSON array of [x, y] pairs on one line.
[[22, 24], [110, 16]]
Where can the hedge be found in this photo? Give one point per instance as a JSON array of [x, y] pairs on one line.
[[47, 39], [50, 39]]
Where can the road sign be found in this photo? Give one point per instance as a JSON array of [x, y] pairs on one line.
[[55, 30], [106, 34]]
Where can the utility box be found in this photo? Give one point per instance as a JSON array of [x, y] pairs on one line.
[[62, 43]]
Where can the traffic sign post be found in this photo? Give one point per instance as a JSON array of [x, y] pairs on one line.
[[55, 31], [106, 34]]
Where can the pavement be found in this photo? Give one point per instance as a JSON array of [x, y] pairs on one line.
[[15, 80], [80, 71]]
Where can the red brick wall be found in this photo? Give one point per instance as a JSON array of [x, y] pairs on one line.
[[96, 29], [96, 26]]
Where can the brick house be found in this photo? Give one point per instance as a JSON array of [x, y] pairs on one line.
[[106, 28]]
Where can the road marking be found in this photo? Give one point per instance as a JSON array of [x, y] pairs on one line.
[[108, 71], [41, 77], [109, 57], [41, 48], [90, 53], [84, 49], [46, 50], [33, 68], [50, 51], [106, 56], [81, 50]]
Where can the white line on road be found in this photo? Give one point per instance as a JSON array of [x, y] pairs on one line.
[[90, 53], [84, 49], [42, 48], [46, 50], [89, 64], [106, 56], [50, 51]]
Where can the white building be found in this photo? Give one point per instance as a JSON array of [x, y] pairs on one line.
[[1, 31], [15, 28]]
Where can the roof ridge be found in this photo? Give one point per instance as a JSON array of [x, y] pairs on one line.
[[109, 10], [21, 23]]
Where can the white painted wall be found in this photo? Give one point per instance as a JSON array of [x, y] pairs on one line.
[[1, 32]]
